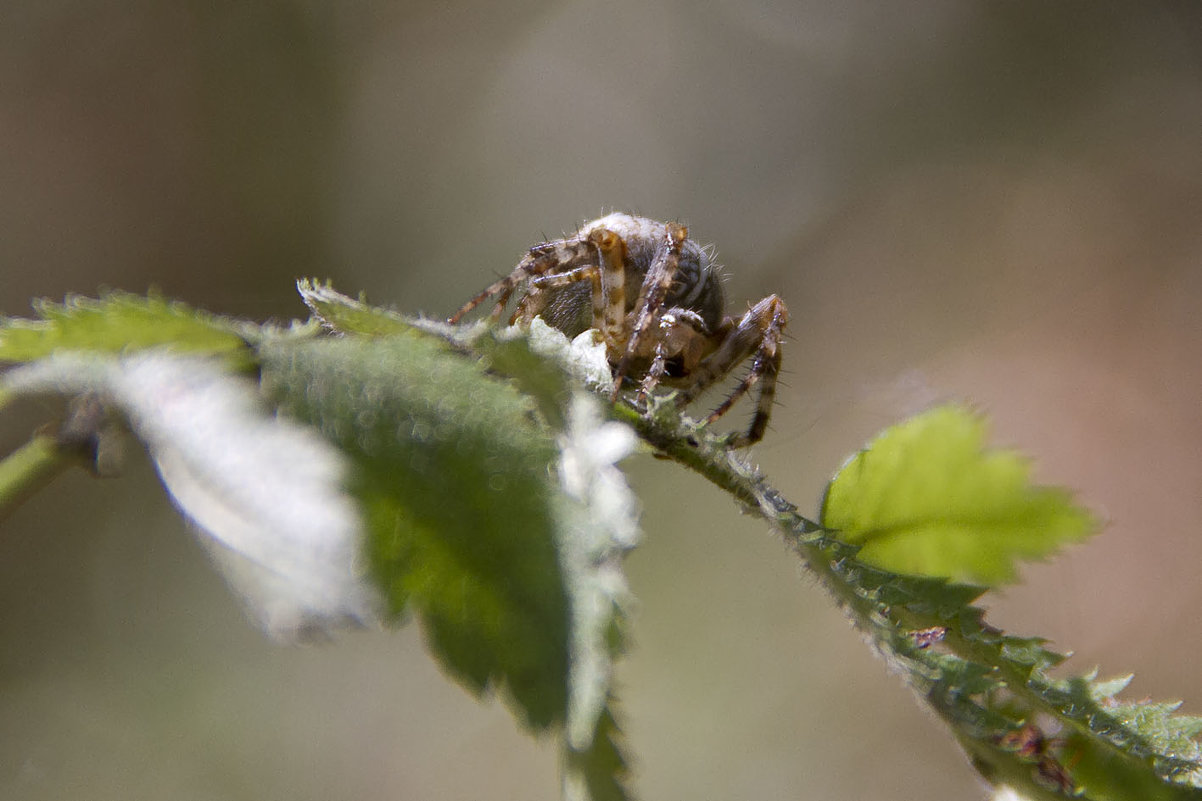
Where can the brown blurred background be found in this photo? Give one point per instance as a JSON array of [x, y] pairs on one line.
[[999, 202]]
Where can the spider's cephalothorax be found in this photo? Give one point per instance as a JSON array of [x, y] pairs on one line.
[[656, 297]]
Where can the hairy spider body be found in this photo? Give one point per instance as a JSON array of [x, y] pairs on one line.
[[656, 297]]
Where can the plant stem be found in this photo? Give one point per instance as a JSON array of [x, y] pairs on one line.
[[29, 468]]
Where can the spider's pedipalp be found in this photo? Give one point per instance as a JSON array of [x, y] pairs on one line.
[[680, 336], [609, 304]]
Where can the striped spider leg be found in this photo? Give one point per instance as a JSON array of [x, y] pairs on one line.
[[757, 335]]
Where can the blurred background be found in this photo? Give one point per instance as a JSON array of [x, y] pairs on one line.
[[998, 202]]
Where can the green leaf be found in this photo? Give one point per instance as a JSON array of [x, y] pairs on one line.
[[345, 315], [599, 772], [538, 358], [1169, 735], [926, 498], [502, 533], [597, 525], [471, 475], [118, 323], [455, 478]]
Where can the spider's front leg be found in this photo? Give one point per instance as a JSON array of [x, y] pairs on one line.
[[758, 334], [541, 259]]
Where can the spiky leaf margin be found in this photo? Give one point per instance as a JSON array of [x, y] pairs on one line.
[[983, 682], [119, 322]]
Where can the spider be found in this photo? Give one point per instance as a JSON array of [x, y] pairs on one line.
[[656, 297]]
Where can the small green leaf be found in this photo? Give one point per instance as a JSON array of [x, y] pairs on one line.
[[926, 498], [118, 323]]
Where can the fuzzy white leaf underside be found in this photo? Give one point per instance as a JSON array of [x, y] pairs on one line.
[[266, 492]]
